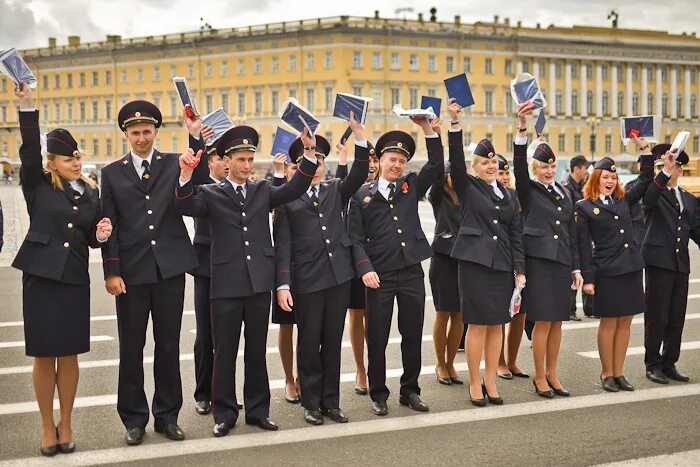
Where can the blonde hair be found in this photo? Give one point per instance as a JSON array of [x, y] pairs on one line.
[[56, 180]]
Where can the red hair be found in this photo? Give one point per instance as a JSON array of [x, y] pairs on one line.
[[591, 189]]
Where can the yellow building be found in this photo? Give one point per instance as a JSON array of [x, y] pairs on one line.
[[591, 76]]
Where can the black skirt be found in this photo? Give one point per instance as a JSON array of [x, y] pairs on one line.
[[279, 316], [443, 282], [357, 294], [617, 296], [484, 294], [56, 317], [547, 295]]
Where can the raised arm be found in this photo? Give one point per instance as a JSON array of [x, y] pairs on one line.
[[198, 134], [436, 155], [31, 173], [522, 174], [188, 201], [341, 171], [360, 167], [458, 171]]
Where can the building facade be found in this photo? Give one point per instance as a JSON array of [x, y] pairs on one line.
[[591, 77]]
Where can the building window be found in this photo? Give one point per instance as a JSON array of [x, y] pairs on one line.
[[328, 62], [224, 101], [95, 110], [509, 104], [467, 65], [125, 148], [488, 102], [589, 101], [257, 65], [395, 96], [432, 65], [81, 112], [69, 80], [577, 143], [574, 102], [95, 147], [606, 103], [667, 139], [562, 142], [275, 101], [275, 64], [449, 64], [604, 72], [257, 102], [108, 109], [108, 148], [679, 104], [241, 103], [123, 77], [526, 66], [509, 67], [509, 140], [108, 77], [557, 70], [69, 112], [45, 83], [376, 60], [620, 102], [664, 105], [241, 67], [310, 61], [589, 71], [559, 102], [311, 99], [635, 73], [224, 68], [139, 75], [620, 75], [173, 71], [413, 62], [173, 106], [650, 102], [635, 103], [208, 69], [650, 73], [377, 95], [208, 103], [292, 92], [664, 74], [574, 70], [696, 144], [190, 71], [328, 99], [412, 98], [488, 66], [395, 61], [608, 144], [357, 90], [57, 82], [292, 63], [693, 106], [57, 112], [357, 59], [81, 80]]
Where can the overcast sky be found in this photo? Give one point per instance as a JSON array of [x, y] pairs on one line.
[[27, 24]]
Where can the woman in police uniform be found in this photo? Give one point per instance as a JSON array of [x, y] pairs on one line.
[[443, 278], [64, 213], [551, 255], [490, 253], [612, 269]]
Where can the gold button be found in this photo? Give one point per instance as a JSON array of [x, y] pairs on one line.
[[75, 208], [149, 211], [328, 241], [558, 222], [498, 207], [396, 218], [495, 237], [622, 231], [247, 243], [330, 255], [320, 214], [153, 242], [679, 229], [248, 257], [616, 217], [627, 245], [400, 231], [243, 214], [245, 229], [323, 227], [70, 225], [391, 206], [677, 250], [403, 243], [556, 237], [66, 244], [559, 208], [148, 197], [678, 239], [679, 217], [495, 221]]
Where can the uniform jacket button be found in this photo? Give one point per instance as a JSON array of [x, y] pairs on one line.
[[153, 242], [66, 244]]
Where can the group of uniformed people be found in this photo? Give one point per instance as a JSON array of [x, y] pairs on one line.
[[354, 242]]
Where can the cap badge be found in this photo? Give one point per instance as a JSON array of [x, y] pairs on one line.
[[137, 114], [596, 211], [550, 160], [399, 144], [613, 168], [245, 141], [491, 154], [505, 167]]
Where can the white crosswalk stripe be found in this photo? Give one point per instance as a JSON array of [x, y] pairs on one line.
[[692, 345]]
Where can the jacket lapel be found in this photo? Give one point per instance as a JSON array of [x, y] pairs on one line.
[[670, 197], [607, 207], [156, 166], [227, 188], [130, 172], [250, 188]]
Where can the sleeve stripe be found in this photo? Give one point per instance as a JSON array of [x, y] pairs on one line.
[[110, 259]]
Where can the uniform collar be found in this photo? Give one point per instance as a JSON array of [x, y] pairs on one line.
[[138, 160]]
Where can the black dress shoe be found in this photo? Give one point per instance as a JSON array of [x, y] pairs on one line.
[[559, 392], [380, 408], [292, 399], [202, 407], [65, 448], [313, 417], [446, 381], [264, 423], [49, 451], [507, 376], [414, 402], [657, 376], [361, 391], [676, 375], [609, 384], [623, 384], [520, 374], [337, 415], [477, 402], [548, 394], [492, 400], [574, 317], [222, 429], [456, 380], [171, 431], [134, 436]]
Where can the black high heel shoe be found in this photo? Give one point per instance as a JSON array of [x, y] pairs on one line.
[[492, 400], [446, 381], [477, 402], [548, 394], [559, 392], [65, 448], [50, 451]]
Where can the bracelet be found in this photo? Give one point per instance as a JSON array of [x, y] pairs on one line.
[[309, 148], [522, 130], [454, 123]]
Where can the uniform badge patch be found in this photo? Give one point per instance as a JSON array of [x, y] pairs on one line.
[[596, 211], [367, 199]]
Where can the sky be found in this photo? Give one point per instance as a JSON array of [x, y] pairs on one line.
[[29, 23]]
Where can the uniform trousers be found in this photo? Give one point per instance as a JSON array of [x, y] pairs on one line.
[[666, 300], [320, 323], [203, 346], [227, 315], [408, 288], [163, 301]]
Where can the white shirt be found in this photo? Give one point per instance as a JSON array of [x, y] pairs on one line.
[[553, 185], [383, 187], [310, 193], [138, 162], [77, 186], [677, 192], [497, 190], [603, 198], [236, 185]]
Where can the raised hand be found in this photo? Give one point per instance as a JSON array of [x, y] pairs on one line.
[[278, 162], [24, 93], [424, 123], [454, 110], [371, 280], [104, 229], [669, 159], [207, 132], [641, 143], [308, 141], [358, 129], [342, 153], [435, 125], [524, 110], [194, 125], [188, 161]]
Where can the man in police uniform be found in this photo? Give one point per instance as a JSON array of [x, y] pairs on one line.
[[144, 266], [671, 219], [242, 267], [388, 247], [314, 270]]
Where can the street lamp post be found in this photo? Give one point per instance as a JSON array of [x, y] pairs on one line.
[[593, 123]]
